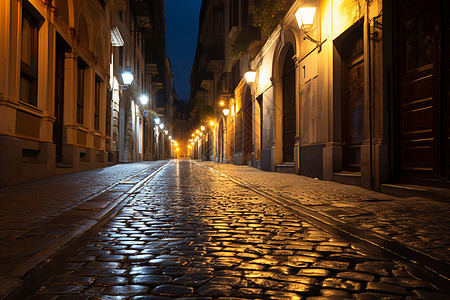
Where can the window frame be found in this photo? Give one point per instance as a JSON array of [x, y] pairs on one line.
[[81, 72], [30, 72], [97, 90]]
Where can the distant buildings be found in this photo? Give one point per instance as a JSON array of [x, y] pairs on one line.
[[64, 104], [354, 92]]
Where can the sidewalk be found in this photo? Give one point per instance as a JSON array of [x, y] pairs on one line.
[[40, 218], [420, 223]]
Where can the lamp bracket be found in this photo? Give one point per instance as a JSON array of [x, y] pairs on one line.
[[317, 42]]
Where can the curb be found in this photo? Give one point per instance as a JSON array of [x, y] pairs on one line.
[[431, 269], [15, 280]]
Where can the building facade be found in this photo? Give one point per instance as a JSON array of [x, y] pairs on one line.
[[355, 92], [63, 104]]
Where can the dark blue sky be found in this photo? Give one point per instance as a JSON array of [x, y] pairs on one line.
[[181, 40]]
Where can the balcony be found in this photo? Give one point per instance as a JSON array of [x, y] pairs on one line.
[[225, 86], [215, 58]]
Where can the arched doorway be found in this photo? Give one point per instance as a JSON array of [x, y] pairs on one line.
[[289, 121]]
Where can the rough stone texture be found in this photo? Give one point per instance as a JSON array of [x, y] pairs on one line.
[[417, 222], [208, 238]]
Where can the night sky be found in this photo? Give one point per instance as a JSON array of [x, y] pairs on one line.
[[181, 40]]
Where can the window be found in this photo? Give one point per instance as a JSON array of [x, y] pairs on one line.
[[244, 12], [81, 67], [121, 57], [98, 83], [29, 62]]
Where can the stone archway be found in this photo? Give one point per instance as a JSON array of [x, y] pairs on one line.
[[288, 105]]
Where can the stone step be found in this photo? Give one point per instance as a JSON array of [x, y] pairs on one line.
[[352, 178], [411, 190], [285, 168]]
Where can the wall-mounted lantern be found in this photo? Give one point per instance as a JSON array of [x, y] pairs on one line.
[[127, 77], [250, 76], [305, 20], [144, 99]]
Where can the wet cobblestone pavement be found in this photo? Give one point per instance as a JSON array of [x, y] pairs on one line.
[[191, 233], [417, 222]]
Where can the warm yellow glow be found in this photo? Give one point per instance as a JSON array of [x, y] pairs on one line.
[[250, 76], [192, 143], [226, 111], [178, 149], [175, 143], [189, 147], [193, 134], [201, 133], [232, 110], [264, 75], [197, 131], [305, 17], [222, 103], [202, 128], [211, 123]]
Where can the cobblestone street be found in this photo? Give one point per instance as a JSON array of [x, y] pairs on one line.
[[190, 232]]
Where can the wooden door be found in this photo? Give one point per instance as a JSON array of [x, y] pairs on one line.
[[247, 128], [289, 107], [353, 110], [419, 118], [446, 89], [58, 125]]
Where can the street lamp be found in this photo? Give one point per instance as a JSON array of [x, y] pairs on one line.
[[161, 126], [211, 123], [226, 111], [127, 77], [250, 76], [202, 128], [144, 99], [157, 120], [305, 20], [166, 131]]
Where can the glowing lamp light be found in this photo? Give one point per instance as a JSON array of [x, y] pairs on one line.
[[127, 77], [178, 149], [166, 131], [144, 99], [192, 143], [250, 76], [232, 110], [157, 120], [211, 123], [305, 17], [170, 137], [197, 131], [193, 134], [202, 128], [226, 111], [201, 133], [161, 126], [222, 103]]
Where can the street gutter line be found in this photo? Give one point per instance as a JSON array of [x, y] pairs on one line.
[[372, 242]]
